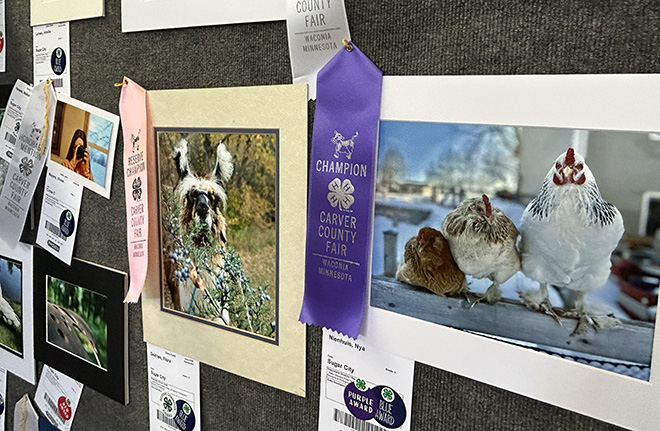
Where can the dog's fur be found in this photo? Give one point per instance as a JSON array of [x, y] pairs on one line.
[[203, 198]]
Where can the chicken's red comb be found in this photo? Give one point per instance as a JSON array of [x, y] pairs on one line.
[[570, 157], [487, 204]]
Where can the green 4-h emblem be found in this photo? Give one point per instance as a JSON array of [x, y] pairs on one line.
[[361, 384], [167, 404], [387, 394], [58, 52], [186, 408]]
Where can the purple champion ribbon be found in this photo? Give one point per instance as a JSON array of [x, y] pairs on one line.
[[341, 184]]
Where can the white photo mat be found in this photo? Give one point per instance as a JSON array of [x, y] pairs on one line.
[[22, 366], [605, 102], [87, 183], [141, 15]]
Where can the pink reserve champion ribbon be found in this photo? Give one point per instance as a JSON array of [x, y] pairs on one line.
[[133, 113], [341, 184]]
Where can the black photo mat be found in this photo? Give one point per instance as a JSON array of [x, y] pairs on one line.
[[106, 282]]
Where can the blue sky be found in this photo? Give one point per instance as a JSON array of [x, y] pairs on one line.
[[421, 143]]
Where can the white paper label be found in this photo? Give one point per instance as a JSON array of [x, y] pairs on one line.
[[59, 216], [52, 56], [11, 123], [57, 397], [316, 30], [362, 387], [3, 397], [3, 40], [27, 163], [174, 395]]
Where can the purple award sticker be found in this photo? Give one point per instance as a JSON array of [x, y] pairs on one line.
[[390, 409], [359, 400]]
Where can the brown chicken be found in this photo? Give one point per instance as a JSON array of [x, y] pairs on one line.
[[427, 262]]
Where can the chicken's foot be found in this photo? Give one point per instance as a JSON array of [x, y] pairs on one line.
[[537, 299], [492, 295], [591, 315]]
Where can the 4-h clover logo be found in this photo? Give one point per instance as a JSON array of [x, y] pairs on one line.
[[17, 126], [340, 194], [387, 394], [186, 408], [168, 404], [26, 166], [361, 384], [137, 189]]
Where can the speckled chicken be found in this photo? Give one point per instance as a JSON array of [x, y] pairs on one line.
[[568, 235], [427, 262], [483, 243]]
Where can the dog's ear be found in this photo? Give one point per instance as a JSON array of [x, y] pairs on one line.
[[224, 167], [181, 159]]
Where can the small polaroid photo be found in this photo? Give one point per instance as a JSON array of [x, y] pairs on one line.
[[84, 141]]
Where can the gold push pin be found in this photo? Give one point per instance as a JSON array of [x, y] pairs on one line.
[[347, 44]]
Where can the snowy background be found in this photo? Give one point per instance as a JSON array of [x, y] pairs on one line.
[[457, 162], [99, 132]]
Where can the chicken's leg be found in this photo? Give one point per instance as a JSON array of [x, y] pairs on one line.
[[492, 295], [598, 316], [537, 299]]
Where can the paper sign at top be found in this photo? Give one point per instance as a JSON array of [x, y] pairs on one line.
[[51, 11], [316, 30]]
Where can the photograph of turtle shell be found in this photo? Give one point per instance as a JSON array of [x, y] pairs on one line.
[[81, 322]]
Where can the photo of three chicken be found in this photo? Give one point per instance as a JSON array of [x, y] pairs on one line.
[[484, 228]]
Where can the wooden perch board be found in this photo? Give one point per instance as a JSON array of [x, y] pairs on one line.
[[510, 319]]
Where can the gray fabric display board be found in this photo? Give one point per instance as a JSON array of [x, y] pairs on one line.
[[422, 37]]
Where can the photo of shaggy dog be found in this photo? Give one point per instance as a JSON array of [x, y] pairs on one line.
[[218, 212]]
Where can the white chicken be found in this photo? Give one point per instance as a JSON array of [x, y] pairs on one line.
[[483, 243], [568, 233]]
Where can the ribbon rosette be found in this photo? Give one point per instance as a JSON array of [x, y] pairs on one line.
[[341, 194]]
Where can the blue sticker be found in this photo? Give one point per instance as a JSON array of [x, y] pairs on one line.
[[67, 223], [2, 405], [58, 61], [390, 409], [185, 416]]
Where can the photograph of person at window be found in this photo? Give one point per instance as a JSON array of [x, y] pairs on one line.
[[77, 159]]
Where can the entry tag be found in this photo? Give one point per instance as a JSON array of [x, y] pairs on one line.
[[11, 123], [174, 395], [363, 387], [57, 397], [316, 30], [52, 57], [60, 212]]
